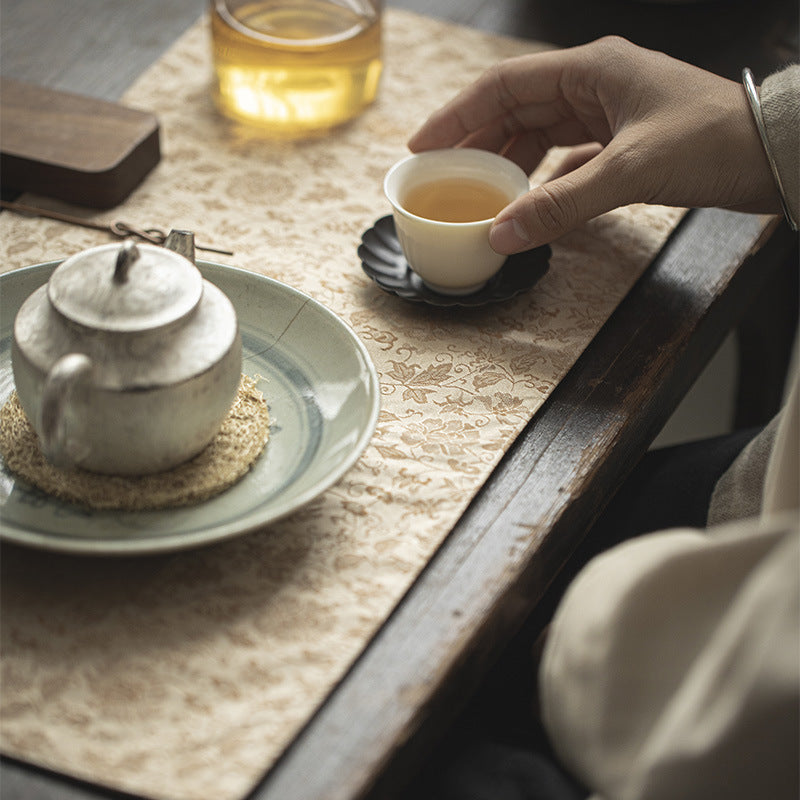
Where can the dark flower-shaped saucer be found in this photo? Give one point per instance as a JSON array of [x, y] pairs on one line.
[[383, 260]]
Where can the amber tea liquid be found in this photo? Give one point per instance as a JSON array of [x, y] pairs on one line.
[[455, 200], [295, 67]]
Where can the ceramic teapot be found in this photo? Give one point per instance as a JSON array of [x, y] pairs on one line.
[[127, 360]]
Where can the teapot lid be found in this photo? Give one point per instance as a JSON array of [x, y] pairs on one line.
[[125, 288]]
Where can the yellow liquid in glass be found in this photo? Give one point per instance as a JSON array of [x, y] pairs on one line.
[[294, 67]]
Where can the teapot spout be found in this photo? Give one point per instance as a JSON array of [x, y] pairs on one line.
[[182, 242]]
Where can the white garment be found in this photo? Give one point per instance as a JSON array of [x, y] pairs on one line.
[[672, 666], [672, 669]]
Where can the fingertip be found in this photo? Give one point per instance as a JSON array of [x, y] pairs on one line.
[[413, 144], [508, 236], [429, 137]]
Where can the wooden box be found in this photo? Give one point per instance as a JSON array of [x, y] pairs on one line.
[[71, 147]]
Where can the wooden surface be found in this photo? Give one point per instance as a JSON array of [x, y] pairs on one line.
[[380, 723], [99, 47]]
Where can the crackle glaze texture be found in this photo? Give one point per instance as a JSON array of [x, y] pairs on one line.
[[185, 676]]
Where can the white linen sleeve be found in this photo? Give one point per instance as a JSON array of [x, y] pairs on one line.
[[672, 667]]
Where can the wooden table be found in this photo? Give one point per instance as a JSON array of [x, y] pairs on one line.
[[495, 567]]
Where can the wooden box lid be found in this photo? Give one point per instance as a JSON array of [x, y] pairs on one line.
[[71, 147]]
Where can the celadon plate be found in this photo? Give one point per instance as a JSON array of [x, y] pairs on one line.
[[323, 396]]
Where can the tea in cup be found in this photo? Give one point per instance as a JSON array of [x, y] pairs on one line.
[[443, 204], [295, 66]]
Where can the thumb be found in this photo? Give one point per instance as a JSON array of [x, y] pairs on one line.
[[553, 208]]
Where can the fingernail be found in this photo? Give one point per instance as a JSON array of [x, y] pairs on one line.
[[508, 237]]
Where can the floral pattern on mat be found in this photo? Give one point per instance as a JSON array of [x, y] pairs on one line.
[[184, 676]]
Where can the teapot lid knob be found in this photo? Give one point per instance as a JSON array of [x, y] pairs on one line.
[[128, 253], [125, 288]]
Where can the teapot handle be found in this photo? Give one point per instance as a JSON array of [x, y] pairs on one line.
[[56, 395]]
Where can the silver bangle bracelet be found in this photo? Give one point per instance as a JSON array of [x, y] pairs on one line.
[[755, 106]]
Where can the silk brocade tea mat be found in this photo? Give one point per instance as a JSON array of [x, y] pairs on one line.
[[184, 676]]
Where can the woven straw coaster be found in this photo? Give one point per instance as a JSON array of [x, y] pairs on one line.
[[228, 457]]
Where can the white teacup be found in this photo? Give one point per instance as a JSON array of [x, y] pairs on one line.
[[451, 257]]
